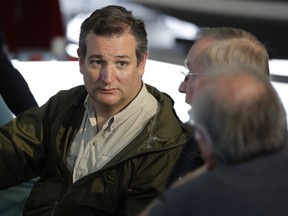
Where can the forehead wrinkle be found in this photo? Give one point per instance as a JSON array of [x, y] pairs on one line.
[[197, 49]]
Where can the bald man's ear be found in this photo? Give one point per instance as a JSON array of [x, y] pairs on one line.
[[205, 147]]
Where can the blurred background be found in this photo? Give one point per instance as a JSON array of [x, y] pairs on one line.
[[48, 29], [42, 36]]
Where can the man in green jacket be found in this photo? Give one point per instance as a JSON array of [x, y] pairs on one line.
[[103, 149]]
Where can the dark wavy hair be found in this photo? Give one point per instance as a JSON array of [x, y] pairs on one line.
[[114, 20]]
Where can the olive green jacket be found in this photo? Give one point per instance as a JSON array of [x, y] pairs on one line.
[[37, 142]]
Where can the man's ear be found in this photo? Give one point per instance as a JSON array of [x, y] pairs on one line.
[[81, 61], [204, 144], [141, 67]]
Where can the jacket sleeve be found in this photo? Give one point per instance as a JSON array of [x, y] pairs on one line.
[[26, 141], [21, 150], [150, 179]]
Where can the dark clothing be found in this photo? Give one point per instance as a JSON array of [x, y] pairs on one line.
[[13, 88], [38, 142], [189, 159], [17, 97], [252, 188]]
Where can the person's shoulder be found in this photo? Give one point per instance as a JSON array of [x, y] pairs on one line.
[[73, 90], [191, 177], [77, 92], [157, 93]]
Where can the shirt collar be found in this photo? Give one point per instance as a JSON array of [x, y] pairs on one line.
[[138, 102]]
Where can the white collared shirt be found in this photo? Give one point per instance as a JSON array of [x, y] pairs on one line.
[[91, 150]]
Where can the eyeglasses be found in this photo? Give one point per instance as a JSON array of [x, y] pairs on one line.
[[189, 75]]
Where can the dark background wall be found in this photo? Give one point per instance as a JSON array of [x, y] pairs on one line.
[[30, 23]]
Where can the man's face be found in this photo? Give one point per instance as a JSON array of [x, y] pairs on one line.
[[111, 75], [194, 67]]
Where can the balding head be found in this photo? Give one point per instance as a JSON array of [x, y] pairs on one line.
[[193, 60], [240, 114], [207, 37], [224, 41], [235, 89]]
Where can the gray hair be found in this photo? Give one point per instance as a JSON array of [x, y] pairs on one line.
[[249, 50], [223, 33], [236, 52], [241, 113]]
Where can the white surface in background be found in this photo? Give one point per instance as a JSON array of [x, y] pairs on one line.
[[167, 78], [46, 78], [280, 67]]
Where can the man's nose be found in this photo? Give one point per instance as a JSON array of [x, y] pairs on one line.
[[108, 74], [182, 87]]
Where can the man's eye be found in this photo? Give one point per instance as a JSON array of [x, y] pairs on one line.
[[97, 61], [122, 63], [186, 78]]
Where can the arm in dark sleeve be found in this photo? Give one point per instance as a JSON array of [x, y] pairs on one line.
[[189, 160], [13, 87]]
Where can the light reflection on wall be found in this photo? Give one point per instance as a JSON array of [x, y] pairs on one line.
[[46, 78]]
